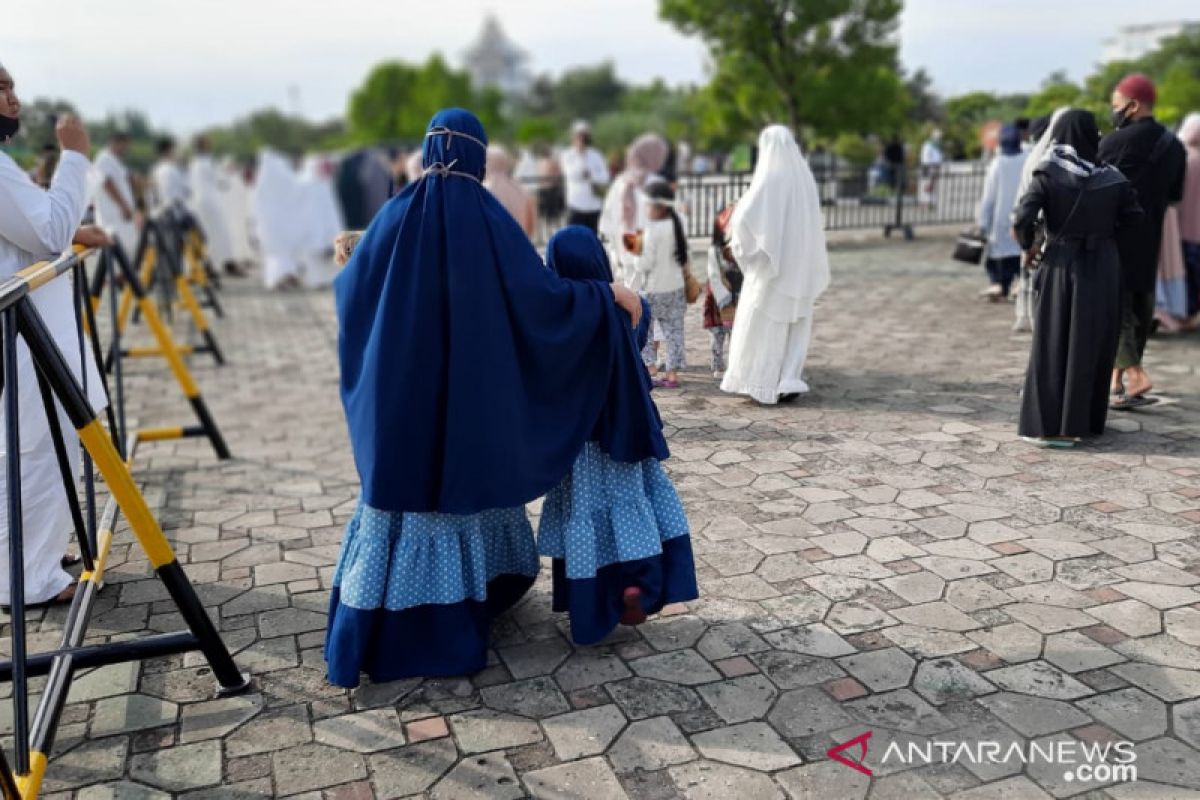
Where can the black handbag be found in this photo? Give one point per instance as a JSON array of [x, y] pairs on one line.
[[969, 247]]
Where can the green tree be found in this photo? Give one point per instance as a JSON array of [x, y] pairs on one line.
[[924, 105], [396, 100], [1056, 91], [587, 92], [830, 65]]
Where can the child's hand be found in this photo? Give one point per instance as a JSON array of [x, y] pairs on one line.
[[343, 246], [628, 300]]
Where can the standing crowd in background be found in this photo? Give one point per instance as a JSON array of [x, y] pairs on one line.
[[1100, 235]]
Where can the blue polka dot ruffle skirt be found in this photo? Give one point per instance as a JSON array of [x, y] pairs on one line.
[[605, 512], [396, 560]]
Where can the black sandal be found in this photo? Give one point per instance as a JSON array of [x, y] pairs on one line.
[[70, 560]]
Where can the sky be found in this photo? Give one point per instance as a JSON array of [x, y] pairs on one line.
[[190, 63]]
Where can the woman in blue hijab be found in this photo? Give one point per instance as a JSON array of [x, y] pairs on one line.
[[472, 377], [616, 532]]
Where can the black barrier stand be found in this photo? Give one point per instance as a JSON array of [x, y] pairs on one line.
[[33, 745], [174, 268], [208, 426]]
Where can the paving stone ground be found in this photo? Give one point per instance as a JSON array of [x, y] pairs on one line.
[[882, 556]]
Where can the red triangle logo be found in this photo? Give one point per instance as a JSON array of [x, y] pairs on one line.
[[836, 753]]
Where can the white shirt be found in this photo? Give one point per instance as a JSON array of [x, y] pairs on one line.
[[170, 185], [582, 171], [108, 211], [931, 153], [656, 270]]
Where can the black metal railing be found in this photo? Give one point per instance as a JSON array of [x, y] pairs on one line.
[[853, 197]]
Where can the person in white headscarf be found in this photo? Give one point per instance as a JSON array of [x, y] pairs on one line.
[[38, 224], [1023, 308], [320, 219], [276, 197], [207, 198], [777, 236], [235, 204], [625, 207]]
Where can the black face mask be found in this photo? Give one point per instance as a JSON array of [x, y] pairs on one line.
[[1119, 118], [9, 127]]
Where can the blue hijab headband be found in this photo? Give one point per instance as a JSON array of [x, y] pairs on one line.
[[455, 144]]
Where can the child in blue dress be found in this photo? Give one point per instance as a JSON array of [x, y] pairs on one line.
[[616, 532]]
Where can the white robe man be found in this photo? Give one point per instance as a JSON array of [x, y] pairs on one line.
[[319, 218], [777, 237], [206, 199], [38, 224], [167, 178], [931, 165], [236, 204], [585, 174], [112, 193]]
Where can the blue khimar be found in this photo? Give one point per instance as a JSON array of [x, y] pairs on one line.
[[608, 525], [471, 378]]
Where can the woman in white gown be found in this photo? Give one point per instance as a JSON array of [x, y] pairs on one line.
[[778, 238], [320, 218], [280, 232]]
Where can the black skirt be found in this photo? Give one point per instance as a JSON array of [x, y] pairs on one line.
[[1076, 313]]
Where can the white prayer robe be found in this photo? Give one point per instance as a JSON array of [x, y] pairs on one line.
[[36, 225], [280, 235], [320, 219], [170, 185], [236, 205], [108, 213], [207, 200], [778, 238]]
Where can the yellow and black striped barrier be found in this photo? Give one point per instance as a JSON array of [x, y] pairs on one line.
[[33, 742], [133, 294]]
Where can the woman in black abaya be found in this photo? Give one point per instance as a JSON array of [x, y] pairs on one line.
[[1076, 288]]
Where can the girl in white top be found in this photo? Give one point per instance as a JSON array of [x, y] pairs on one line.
[[658, 276]]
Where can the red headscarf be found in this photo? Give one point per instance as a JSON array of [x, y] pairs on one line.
[[1138, 87]]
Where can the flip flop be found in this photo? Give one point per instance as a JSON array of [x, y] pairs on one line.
[[663, 383], [1056, 444], [70, 560], [1130, 403]]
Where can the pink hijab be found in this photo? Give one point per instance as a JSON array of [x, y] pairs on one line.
[[645, 157]]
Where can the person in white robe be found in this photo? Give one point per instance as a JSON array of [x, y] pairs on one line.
[[319, 217], [112, 193], [207, 198], [236, 205], [169, 183], [778, 239], [38, 224], [276, 197]]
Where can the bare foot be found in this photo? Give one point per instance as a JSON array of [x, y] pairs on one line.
[[1138, 384]]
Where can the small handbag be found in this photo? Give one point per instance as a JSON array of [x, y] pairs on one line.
[[969, 246], [691, 286]]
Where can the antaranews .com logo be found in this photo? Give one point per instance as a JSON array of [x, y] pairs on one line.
[[1083, 762]]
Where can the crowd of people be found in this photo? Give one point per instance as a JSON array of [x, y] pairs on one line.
[[1098, 233], [444, 291]]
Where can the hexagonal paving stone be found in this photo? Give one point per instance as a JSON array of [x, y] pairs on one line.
[[584, 733], [880, 670], [650, 744], [708, 780], [177, 769], [482, 730], [1132, 713], [413, 769], [362, 732], [589, 778], [753, 745]]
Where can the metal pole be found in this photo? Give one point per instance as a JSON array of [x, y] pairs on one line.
[[86, 545], [16, 549], [114, 311], [79, 285]]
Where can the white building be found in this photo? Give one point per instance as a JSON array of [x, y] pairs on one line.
[[496, 61], [1134, 41]]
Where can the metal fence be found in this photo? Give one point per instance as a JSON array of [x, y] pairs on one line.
[[852, 197]]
